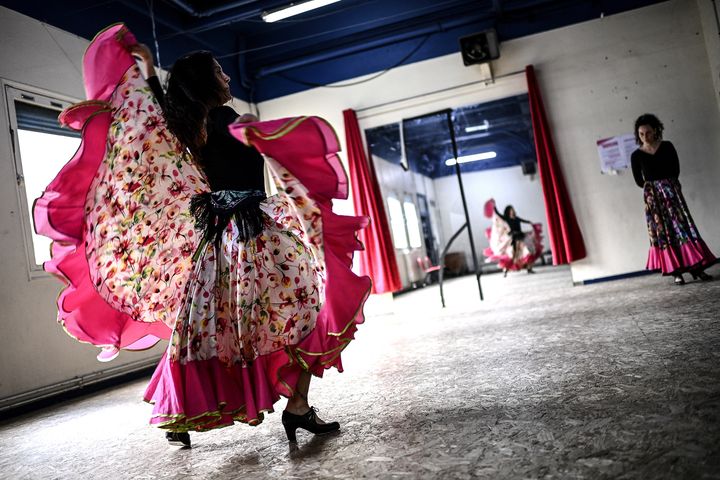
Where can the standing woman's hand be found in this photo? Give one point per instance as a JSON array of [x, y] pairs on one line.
[[142, 53]]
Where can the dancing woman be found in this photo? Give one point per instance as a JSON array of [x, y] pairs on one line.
[[510, 246], [676, 246], [255, 293]]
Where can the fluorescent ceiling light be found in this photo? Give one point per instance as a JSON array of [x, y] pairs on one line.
[[471, 158], [295, 9], [476, 128]]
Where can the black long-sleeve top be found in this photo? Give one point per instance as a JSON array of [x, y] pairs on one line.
[[227, 163], [513, 223], [664, 164]]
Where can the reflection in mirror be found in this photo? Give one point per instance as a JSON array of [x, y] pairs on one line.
[[384, 143], [490, 135], [397, 223], [496, 154]]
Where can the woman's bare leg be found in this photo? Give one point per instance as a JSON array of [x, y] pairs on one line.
[[517, 250], [298, 403]]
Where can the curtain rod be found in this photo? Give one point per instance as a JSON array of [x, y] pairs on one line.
[[439, 91]]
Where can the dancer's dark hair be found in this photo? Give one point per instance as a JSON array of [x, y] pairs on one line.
[[192, 90], [650, 120], [506, 212]]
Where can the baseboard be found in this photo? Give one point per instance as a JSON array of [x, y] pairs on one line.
[[611, 278], [75, 387]]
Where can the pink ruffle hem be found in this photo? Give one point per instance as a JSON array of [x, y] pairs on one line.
[[59, 213], [679, 259]]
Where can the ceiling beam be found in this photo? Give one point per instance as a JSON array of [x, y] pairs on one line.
[[368, 45], [498, 7], [212, 24], [187, 8], [168, 23]]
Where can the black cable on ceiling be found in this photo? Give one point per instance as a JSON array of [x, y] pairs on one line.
[[401, 62]]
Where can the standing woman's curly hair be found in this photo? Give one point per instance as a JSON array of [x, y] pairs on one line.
[[653, 122], [192, 90]]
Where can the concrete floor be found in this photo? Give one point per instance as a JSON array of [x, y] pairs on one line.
[[541, 380]]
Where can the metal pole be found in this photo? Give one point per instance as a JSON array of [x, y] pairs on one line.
[[448, 114], [442, 262]]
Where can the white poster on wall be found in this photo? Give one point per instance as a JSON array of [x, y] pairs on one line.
[[615, 152]]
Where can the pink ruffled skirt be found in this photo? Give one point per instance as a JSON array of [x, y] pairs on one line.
[[675, 243]]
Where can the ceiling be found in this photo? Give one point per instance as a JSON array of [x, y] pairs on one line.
[[334, 43]]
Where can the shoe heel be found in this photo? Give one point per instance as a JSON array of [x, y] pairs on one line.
[[290, 432], [700, 275]]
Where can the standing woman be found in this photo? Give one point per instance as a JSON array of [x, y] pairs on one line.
[[675, 243], [163, 230]]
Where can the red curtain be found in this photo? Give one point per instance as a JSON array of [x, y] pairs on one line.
[[378, 259], [566, 241]]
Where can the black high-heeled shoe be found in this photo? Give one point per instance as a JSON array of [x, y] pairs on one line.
[[308, 421], [701, 275], [679, 280], [178, 439]]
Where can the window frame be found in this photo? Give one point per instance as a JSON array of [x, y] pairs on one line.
[[410, 200], [401, 211], [406, 198], [42, 98]]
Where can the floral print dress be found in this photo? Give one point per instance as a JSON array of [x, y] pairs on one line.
[[243, 317]]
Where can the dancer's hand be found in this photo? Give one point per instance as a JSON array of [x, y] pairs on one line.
[[246, 118], [142, 53]]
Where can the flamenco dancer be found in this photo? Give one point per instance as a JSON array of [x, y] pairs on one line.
[[162, 229], [676, 246], [510, 246]]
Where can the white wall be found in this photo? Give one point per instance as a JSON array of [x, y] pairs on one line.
[[34, 350], [596, 78], [709, 14]]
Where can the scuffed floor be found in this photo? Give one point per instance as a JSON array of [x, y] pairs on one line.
[[541, 380]]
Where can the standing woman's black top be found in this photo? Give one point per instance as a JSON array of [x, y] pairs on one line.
[[663, 165]]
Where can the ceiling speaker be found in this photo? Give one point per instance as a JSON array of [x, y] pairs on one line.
[[479, 47]]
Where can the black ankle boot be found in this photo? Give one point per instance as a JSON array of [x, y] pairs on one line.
[[178, 439], [308, 421], [701, 275]]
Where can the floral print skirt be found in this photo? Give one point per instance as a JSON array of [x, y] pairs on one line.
[[252, 319], [675, 243], [245, 300]]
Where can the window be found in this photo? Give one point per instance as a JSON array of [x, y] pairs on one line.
[[412, 224], [404, 223], [397, 223], [41, 148]]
